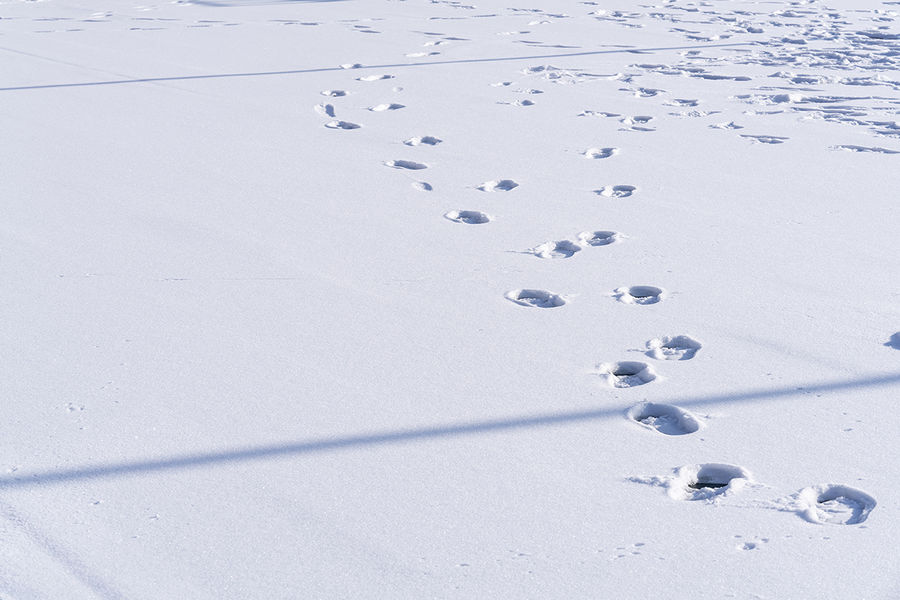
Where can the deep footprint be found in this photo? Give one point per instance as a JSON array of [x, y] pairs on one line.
[[598, 238], [536, 298], [616, 191], [384, 107], [469, 217], [406, 164], [341, 125], [640, 294], [626, 374], [706, 481], [838, 504], [679, 347], [664, 418], [560, 249], [598, 153], [427, 140], [502, 185]]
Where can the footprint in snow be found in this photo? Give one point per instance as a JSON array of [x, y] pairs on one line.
[[342, 125], [639, 294], [598, 238], [422, 186], [501, 185], [560, 249], [421, 54], [646, 92], [637, 121], [333, 93], [536, 298], [665, 418], [706, 481], [626, 374], [469, 217], [873, 149], [405, 164], [597, 153], [616, 191], [374, 77], [679, 347], [351, 66], [832, 503], [384, 107], [325, 109], [894, 341], [682, 102], [765, 139], [426, 140]]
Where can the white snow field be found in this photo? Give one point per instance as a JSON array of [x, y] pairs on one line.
[[427, 299]]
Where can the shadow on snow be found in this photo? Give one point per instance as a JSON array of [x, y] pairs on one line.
[[185, 461]]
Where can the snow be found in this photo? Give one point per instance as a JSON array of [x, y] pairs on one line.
[[252, 346]]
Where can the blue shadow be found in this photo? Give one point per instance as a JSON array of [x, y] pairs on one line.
[[352, 442]]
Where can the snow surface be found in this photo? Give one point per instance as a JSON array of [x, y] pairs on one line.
[[252, 345]]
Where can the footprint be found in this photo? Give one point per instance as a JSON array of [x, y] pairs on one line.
[[831, 503], [405, 164], [561, 249], [374, 77], [342, 125], [728, 125], [333, 93], [469, 217], [682, 102], [679, 347], [894, 341], [664, 418], [427, 140], [600, 152], [640, 294], [421, 54], [616, 191], [384, 107], [638, 120], [598, 238], [706, 481], [501, 185], [626, 374], [874, 149], [325, 109], [765, 139], [597, 113], [422, 186], [646, 92], [351, 66], [536, 298]]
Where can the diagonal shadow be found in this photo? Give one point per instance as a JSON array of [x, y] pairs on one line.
[[200, 459], [389, 66]]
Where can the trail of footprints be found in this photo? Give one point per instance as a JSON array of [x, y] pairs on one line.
[[823, 504]]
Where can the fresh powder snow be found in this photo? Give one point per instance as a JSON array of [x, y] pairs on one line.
[[331, 299]]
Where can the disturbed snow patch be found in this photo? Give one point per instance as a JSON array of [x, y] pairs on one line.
[[709, 481], [679, 347], [664, 418], [639, 294], [535, 298], [834, 503], [626, 374]]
